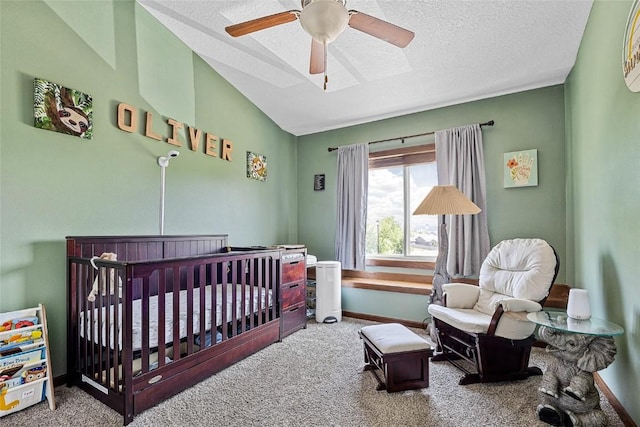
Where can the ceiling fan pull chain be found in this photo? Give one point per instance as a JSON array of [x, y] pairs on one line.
[[326, 79]]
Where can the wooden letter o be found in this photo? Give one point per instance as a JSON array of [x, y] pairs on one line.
[[133, 117]]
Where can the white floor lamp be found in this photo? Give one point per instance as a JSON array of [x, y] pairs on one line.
[[444, 200]]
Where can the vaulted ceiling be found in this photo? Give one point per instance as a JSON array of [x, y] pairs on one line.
[[462, 51]]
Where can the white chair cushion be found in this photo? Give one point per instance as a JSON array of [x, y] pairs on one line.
[[518, 304], [521, 268], [488, 302], [513, 326], [394, 338], [465, 319], [461, 295]]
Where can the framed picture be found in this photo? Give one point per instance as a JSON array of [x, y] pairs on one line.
[[520, 168], [318, 182], [256, 166], [61, 109]]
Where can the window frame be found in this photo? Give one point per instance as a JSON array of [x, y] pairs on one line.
[[403, 156]]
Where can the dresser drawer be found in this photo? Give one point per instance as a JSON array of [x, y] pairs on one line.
[[294, 318], [294, 271], [293, 293]]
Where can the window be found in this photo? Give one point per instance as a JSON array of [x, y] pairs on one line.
[[398, 181]]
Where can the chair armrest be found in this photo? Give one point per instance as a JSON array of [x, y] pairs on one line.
[[514, 308], [518, 304], [461, 295]]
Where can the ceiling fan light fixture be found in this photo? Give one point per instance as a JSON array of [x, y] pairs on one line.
[[324, 20]]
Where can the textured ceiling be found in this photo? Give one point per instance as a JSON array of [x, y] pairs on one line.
[[462, 51]]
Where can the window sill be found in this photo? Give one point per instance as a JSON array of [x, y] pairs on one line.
[[400, 286], [400, 263], [388, 282]]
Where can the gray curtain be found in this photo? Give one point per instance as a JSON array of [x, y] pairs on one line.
[[460, 162], [351, 218]]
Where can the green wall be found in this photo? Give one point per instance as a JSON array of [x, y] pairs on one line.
[[603, 147], [55, 185], [526, 120]]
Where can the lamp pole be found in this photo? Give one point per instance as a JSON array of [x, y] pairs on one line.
[[440, 274], [163, 167], [163, 162]]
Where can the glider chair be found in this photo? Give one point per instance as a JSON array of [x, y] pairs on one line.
[[487, 325]]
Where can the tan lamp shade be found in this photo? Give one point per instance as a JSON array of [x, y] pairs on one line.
[[446, 200]]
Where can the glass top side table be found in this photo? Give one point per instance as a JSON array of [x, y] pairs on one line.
[[559, 320], [568, 395]]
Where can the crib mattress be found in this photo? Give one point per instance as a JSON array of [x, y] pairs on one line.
[[259, 296]]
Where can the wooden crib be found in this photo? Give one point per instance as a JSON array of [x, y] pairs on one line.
[[169, 312]]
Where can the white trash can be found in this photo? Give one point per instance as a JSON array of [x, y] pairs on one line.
[[328, 292]]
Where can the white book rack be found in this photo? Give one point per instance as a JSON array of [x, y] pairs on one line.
[[25, 367]]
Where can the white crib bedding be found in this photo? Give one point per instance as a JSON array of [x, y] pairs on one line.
[[258, 295]]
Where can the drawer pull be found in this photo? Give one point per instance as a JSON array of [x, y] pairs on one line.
[[294, 309], [294, 262], [295, 286], [155, 379]]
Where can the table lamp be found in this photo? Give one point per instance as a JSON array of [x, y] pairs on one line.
[[444, 200]]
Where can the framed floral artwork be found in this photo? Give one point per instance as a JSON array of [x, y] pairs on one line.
[[62, 109], [520, 168], [256, 166]]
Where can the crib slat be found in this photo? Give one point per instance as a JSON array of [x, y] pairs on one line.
[[162, 289], [252, 293], [189, 272], [105, 304], [88, 322], [263, 293], [223, 294], [211, 326], [176, 313], [100, 321], [234, 298], [144, 322], [213, 270], [117, 346], [274, 284], [243, 294], [263, 281], [127, 351]]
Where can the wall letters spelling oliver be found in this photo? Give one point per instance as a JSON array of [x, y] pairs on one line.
[[128, 122]]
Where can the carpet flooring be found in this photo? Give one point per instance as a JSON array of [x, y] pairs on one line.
[[314, 378]]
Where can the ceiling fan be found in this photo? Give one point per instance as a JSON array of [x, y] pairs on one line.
[[325, 20]]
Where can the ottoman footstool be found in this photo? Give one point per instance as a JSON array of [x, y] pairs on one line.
[[401, 355]]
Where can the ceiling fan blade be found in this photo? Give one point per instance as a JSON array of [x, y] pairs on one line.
[[265, 22], [316, 65], [381, 29]]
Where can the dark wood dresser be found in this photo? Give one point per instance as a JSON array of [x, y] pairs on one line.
[[293, 290]]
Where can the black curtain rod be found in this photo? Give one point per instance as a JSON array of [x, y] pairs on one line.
[[489, 123]]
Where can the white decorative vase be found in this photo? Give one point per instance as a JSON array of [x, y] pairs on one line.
[[578, 306]]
